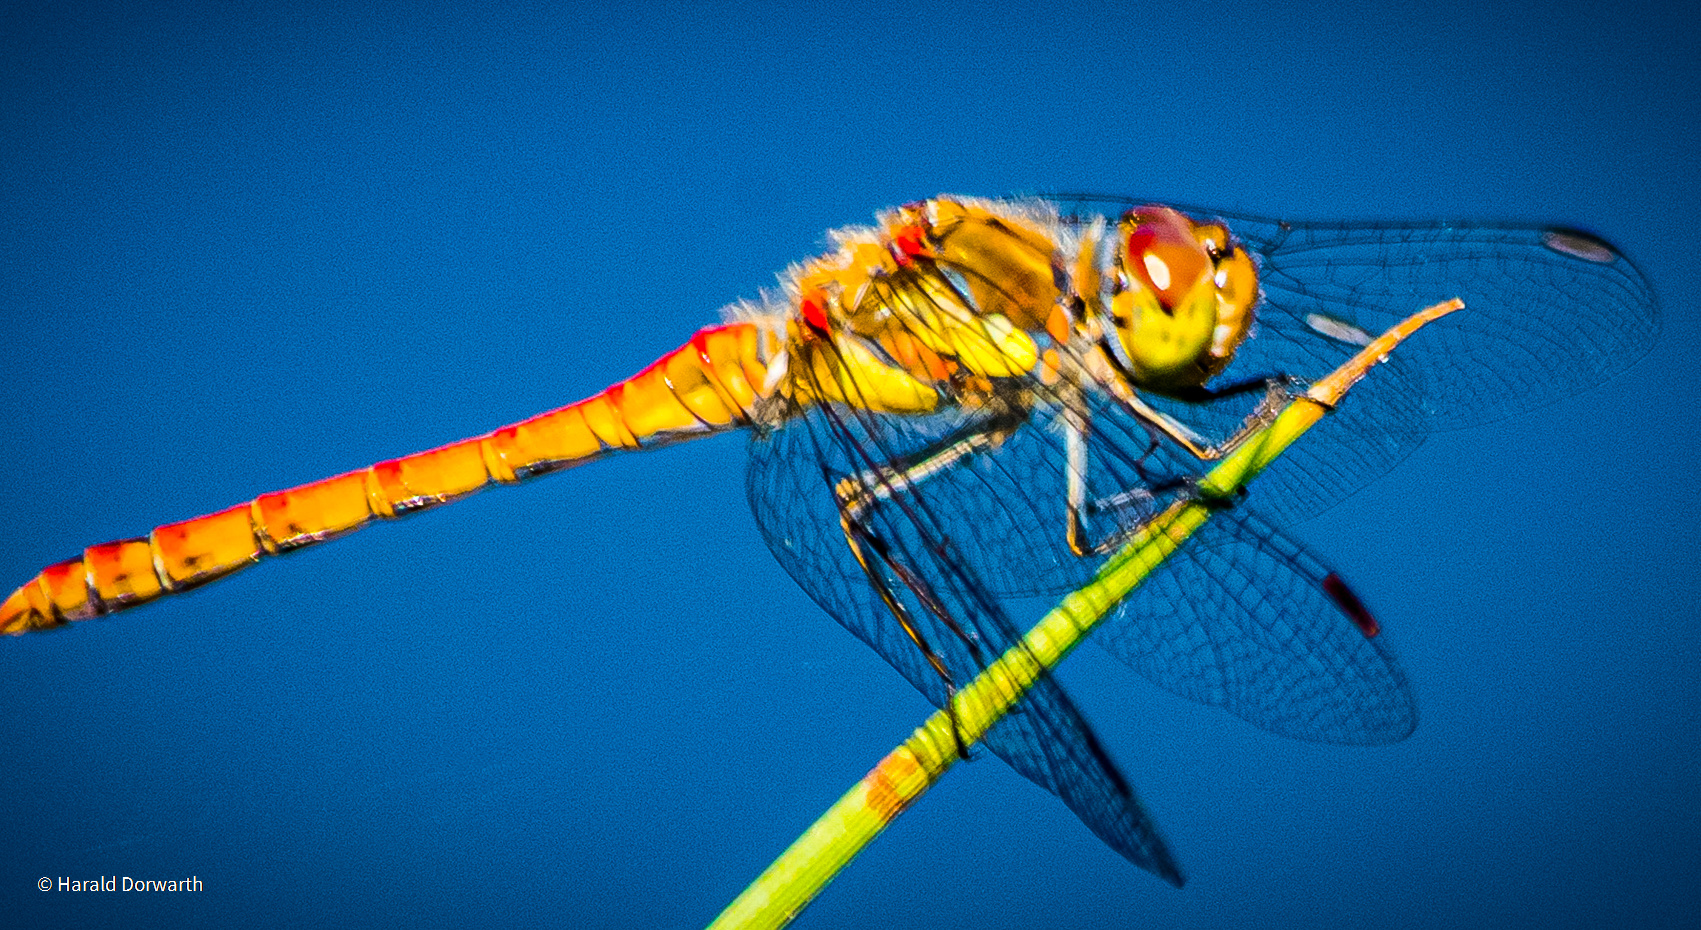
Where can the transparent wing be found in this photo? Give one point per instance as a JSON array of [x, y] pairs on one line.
[[793, 473], [1284, 656], [1245, 619], [1549, 312]]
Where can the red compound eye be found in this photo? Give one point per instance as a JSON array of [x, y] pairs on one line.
[[1163, 253]]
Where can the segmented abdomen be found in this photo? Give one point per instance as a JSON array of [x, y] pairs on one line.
[[706, 386]]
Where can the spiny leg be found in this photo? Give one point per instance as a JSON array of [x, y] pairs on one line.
[[858, 492], [862, 540], [1278, 390], [1077, 429]]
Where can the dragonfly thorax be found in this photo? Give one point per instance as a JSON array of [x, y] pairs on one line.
[[953, 298]]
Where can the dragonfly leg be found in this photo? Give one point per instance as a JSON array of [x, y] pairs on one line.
[[1278, 390], [1075, 431], [864, 541], [858, 492], [1077, 428]]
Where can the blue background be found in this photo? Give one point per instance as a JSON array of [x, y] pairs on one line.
[[241, 249]]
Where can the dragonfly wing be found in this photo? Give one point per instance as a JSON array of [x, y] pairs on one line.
[[1048, 742], [1549, 312], [793, 473], [1373, 429], [1239, 618], [1244, 618]]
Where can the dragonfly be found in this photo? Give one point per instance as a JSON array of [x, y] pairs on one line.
[[973, 402]]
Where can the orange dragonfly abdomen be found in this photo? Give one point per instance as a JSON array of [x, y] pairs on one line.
[[706, 386]]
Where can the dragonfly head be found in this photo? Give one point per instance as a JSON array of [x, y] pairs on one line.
[[1181, 297]]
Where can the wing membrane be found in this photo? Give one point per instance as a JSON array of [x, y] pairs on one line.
[[1044, 738]]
